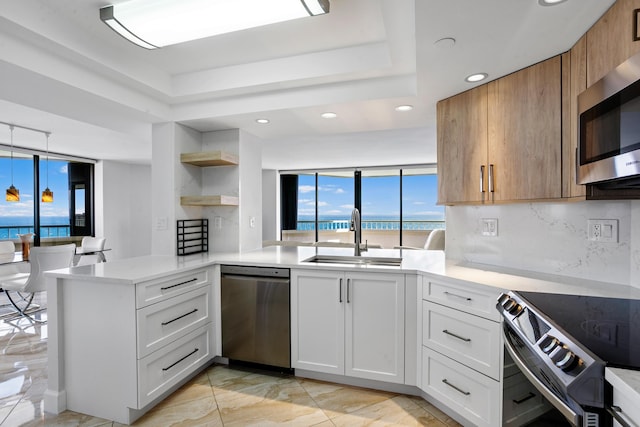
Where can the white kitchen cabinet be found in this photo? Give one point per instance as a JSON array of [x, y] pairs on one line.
[[349, 323], [118, 347], [626, 395], [473, 395], [462, 350]]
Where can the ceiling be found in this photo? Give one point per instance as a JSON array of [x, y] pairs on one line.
[[64, 71]]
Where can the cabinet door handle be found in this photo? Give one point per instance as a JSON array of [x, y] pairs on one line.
[[615, 412], [457, 296], [180, 360], [482, 178], [178, 284], [459, 390], [340, 292], [490, 178], [456, 336], [524, 399], [348, 286], [179, 317]]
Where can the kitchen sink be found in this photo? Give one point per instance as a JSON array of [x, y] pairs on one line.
[[356, 260]]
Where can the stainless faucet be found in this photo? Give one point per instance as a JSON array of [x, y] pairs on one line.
[[355, 226]]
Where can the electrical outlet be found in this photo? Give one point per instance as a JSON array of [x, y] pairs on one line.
[[489, 227], [603, 230], [252, 222], [217, 222]]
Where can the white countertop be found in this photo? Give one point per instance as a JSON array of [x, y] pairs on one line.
[[432, 263]]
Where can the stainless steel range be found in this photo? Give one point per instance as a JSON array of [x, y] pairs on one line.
[[562, 344]]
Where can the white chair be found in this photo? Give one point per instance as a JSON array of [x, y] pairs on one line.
[[8, 268], [90, 251], [435, 241], [41, 259]]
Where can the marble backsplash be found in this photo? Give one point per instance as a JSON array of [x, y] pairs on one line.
[[549, 238]]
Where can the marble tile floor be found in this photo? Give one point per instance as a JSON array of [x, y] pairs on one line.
[[219, 396]]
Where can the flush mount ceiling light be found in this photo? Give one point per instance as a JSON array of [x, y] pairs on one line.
[[328, 115], [476, 77], [156, 23], [262, 121], [550, 2], [404, 108]]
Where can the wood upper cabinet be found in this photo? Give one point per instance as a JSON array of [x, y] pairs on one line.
[[610, 41], [462, 146], [503, 141], [525, 133], [578, 83]]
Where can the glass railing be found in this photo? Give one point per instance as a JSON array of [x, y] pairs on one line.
[[372, 225], [46, 231]]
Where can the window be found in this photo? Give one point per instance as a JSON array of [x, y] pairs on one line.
[[16, 217], [380, 213], [397, 206], [71, 183]]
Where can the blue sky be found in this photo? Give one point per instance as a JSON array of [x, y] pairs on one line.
[[380, 196], [23, 181]]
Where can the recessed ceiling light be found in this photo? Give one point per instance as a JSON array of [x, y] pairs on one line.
[[476, 77], [550, 2], [329, 115], [404, 108], [262, 121]]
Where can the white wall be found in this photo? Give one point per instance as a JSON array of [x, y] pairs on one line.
[[123, 208], [549, 238], [170, 180], [270, 204], [250, 192]]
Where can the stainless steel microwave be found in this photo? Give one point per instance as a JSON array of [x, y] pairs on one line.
[[609, 128]]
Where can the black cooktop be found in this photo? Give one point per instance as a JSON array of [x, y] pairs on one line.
[[608, 327]]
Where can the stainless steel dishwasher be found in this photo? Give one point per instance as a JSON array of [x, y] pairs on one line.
[[255, 315]]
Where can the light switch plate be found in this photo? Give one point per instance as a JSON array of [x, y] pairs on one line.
[[603, 230], [489, 226]]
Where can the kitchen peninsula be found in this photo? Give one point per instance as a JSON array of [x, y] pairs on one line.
[[124, 335]]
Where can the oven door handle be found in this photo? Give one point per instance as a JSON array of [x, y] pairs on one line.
[[568, 413]]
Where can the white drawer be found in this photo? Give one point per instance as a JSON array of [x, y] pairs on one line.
[[157, 290], [474, 396], [158, 324], [165, 368], [478, 300], [522, 402], [629, 407], [470, 340]]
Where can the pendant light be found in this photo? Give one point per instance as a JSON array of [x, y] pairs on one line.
[[47, 195], [13, 194]]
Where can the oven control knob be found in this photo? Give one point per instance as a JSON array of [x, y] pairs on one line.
[[515, 309], [508, 304], [565, 359], [549, 343]]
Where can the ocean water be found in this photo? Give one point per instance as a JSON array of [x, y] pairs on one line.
[[50, 226]]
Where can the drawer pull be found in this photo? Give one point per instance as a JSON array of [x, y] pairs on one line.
[[456, 336], [459, 390], [179, 317], [457, 296], [178, 284], [524, 399], [178, 361]]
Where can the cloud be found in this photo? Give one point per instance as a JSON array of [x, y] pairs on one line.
[[64, 169], [320, 204], [419, 203], [306, 188], [346, 206], [339, 191]]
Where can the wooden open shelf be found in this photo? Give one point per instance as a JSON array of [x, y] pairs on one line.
[[209, 158], [218, 200]]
